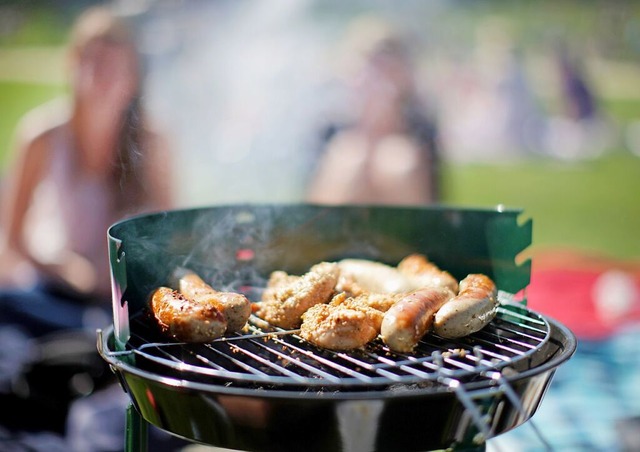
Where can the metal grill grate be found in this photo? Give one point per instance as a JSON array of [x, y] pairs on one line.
[[266, 357]]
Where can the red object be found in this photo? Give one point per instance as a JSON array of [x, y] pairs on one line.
[[594, 298], [245, 254]]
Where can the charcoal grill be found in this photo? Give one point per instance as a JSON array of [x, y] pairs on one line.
[[267, 389]]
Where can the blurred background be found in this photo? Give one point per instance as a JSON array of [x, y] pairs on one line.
[[242, 91], [536, 104]]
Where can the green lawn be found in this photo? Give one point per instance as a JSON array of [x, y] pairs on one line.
[[15, 100], [591, 205]]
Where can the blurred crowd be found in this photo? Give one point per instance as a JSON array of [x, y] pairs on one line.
[[230, 94], [228, 79], [261, 104]]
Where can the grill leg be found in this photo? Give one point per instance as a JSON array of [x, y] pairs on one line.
[[136, 431]]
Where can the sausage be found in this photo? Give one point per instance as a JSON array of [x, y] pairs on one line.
[[374, 276], [187, 320], [474, 307], [423, 272], [235, 307], [410, 318]]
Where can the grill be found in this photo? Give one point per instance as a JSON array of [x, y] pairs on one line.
[[267, 389]]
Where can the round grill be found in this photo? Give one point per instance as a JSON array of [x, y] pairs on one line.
[[268, 389]]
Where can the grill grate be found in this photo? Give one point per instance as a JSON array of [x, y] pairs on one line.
[[271, 358]]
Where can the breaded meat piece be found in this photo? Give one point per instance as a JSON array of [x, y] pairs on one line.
[[287, 299], [344, 324]]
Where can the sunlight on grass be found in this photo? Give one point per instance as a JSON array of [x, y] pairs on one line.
[[16, 99], [591, 205]]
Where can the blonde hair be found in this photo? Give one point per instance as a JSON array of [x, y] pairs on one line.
[[370, 35], [99, 23]]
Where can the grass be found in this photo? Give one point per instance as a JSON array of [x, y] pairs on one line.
[[589, 205], [34, 23], [15, 100]]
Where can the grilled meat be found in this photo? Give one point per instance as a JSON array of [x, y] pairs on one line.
[[287, 298], [185, 319], [409, 319], [374, 277], [343, 324], [474, 307], [235, 307], [424, 273]]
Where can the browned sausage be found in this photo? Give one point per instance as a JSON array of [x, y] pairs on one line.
[[474, 307], [235, 307], [374, 277], [424, 273], [185, 319], [409, 319]]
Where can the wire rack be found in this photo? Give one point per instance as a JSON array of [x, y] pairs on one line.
[[269, 357]]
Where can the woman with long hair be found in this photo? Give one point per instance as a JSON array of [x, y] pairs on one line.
[[81, 164]]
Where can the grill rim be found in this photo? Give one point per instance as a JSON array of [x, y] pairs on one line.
[[556, 359]]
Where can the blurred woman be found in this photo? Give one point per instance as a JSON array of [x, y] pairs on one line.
[[387, 153], [80, 165]]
